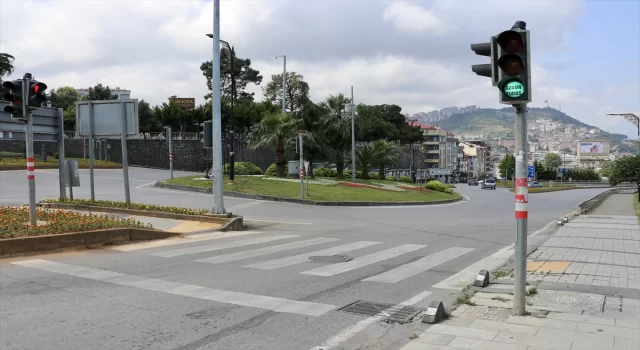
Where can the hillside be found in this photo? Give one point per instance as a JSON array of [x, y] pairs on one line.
[[499, 123]]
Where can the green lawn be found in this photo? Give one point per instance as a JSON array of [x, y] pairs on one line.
[[12, 162], [258, 185]]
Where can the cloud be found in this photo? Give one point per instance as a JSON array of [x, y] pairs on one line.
[[414, 53], [412, 18]]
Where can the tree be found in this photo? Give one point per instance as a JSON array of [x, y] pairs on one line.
[[626, 169], [552, 161], [276, 130], [387, 153], [149, 121], [297, 91], [508, 166], [180, 119], [607, 168], [6, 64], [65, 98], [366, 157], [243, 73], [100, 92], [336, 127]]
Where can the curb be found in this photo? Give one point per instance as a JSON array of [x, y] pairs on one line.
[[301, 201], [227, 221], [40, 167], [24, 245]]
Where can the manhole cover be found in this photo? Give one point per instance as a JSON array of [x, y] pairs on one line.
[[331, 259], [390, 312]]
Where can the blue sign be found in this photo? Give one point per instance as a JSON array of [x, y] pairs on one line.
[[564, 170], [531, 172]]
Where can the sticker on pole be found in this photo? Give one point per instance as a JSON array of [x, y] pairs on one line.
[[306, 166]]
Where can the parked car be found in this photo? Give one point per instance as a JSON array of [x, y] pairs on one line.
[[489, 183], [535, 184], [473, 182]]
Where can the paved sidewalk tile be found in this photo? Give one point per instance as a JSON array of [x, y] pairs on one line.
[[463, 331], [504, 327], [528, 321], [477, 344], [627, 343], [596, 339], [608, 330], [533, 340], [434, 338], [629, 324]]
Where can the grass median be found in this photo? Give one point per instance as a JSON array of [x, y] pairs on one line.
[[14, 162], [14, 222], [321, 190]]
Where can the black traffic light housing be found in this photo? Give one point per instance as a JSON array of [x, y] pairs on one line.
[[37, 95], [295, 147], [13, 94], [490, 69], [514, 65]]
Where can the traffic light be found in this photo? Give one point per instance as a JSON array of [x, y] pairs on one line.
[[514, 63], [37, 96], [490, 69], [13, 94], [295, 147]]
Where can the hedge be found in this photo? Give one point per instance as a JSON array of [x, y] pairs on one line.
[[438, 186], [243, 168]]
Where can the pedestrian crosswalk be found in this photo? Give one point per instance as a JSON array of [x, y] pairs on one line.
[[283, 243]]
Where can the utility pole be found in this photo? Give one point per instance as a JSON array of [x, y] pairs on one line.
[[170, 139], [521, 210], [218, 199], [31, 176], [284, 83], [353, 138], [301, 166]]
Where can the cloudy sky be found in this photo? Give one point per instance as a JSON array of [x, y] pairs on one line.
[[414, 53]]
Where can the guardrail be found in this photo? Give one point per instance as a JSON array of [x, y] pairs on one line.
[[594, 202]]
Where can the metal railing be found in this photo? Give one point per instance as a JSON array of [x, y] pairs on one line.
[[594, 202]]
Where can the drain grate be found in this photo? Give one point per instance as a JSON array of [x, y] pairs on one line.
[[390, 312]]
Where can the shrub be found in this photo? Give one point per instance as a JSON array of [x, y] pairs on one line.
[[347, 174], [390, 178], [374, 175], [271, 170], [243, 168], [325, 172], [405, 179], [438, 186]]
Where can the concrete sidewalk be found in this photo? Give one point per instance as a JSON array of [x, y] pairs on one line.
[[583, 293]]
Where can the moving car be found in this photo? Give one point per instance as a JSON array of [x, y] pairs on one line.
[[535, 184], [489, 183], [473, 182]]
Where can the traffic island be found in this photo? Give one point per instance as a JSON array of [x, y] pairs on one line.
[[58, 229], [224, 222], [320, 191]]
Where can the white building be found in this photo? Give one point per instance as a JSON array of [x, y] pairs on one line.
[[122, 93]]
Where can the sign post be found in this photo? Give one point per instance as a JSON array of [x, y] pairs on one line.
[[301, 166], [169, 138], [306, 172], [31, 173]]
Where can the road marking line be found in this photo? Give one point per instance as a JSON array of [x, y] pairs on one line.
[[468, 275], [244, 206], [362, 261], [418, 266], [281, 222], [349, 332], [265, 251], [182, 289], [145, 185], [182, 240], [302, 258], [214, 247]]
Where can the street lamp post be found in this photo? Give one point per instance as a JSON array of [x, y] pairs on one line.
[[413, 159], [284, 83], [232, 57]]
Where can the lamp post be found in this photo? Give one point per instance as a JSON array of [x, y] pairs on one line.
[[284, 83], [413, 159], [232, 57]]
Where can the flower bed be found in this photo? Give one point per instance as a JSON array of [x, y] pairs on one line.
[[382, 187], [14, 222], [389, 187], [136, 206], [321, 182], [415, 188]]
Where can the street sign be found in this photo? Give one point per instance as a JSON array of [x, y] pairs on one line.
[[306, 166], [45, 125], [107, 117], [531, 172]]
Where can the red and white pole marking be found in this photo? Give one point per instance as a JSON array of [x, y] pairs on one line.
[[301, 173], [31, 169], [171, 157], [522, 198]]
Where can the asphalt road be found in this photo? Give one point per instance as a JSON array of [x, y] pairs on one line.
[[240, 292]]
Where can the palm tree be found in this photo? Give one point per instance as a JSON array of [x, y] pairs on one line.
[[387, 153], [6, 64], [366, 157], [275, 130], [336, 125]]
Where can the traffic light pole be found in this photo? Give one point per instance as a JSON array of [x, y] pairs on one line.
[[216, 123], [521, 210], [301, 167], [31, 177]]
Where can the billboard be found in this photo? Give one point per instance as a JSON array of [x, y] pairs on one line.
[[183, 102], [594, 147]]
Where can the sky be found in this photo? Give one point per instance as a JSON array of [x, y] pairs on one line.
[[413, 53]]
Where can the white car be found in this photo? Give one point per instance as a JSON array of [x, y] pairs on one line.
[[489, 183]]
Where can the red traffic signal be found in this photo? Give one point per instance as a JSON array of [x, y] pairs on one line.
[[37, 96]]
